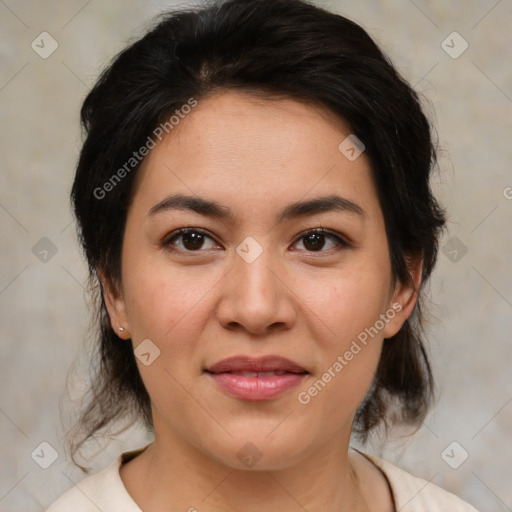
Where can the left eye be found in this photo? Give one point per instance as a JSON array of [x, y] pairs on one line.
[[314, 240], [193, 240]]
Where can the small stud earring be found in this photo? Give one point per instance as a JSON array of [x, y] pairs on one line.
[[121, 329]]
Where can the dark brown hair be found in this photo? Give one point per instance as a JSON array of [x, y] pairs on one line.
[[282, 48]]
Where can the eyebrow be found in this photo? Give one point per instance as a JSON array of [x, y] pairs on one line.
[[298, 209]]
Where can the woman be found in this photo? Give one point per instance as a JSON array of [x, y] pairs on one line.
[[253, 201]]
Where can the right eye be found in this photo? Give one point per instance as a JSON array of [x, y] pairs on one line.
[[192, 240]]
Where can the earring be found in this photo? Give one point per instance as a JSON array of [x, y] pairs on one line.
[[121, 329]]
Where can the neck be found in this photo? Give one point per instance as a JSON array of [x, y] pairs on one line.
[[172, 474]]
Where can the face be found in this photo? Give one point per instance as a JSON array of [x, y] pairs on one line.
[[251, 277]]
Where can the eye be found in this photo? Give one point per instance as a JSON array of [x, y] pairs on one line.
[[195, 239], [314, 240], [192, 240]]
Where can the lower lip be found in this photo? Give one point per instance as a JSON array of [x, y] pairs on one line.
[[256, 388]]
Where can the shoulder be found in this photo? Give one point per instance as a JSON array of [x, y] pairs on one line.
[[413, 494], [103, 491]]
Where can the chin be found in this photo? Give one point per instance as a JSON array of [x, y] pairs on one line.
[[256, 450]]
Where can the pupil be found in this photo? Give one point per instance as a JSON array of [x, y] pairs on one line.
[[315, 241], [193, 240]]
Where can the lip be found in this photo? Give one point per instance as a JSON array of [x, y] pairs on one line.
[[268, 363], [247, 378]]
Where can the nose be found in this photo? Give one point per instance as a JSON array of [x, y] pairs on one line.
[[256, 298]]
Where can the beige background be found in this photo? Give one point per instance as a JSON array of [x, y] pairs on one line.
[[44, 316]]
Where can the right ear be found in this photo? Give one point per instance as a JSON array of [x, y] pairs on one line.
[[116, 305]]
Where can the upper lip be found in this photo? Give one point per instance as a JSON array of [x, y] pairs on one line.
[[268, 363]]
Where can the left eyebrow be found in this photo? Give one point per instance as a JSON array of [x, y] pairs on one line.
[[319, 205], [210, 208]]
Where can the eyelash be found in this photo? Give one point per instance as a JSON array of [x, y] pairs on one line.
[[167, 242]]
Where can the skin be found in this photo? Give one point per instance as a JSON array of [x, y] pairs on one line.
[[200, 306]]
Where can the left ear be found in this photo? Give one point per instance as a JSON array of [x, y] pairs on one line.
[[404, 297]]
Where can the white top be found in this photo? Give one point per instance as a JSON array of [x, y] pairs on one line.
[[104, 491]]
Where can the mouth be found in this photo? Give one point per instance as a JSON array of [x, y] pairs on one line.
[[263, 364], [255, 374], [254, 379]]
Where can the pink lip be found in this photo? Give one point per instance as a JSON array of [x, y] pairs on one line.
[[256, 388], [229, 376], [256, 364]]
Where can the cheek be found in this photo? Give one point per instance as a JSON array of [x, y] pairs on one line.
[[167, 306], [348, 355], [162, 298], [346, 309], [345, 304]]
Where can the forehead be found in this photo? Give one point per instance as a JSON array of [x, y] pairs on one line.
[[237, 126], [256, 153]]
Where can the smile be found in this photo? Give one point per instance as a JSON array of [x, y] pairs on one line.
[[256, 385]]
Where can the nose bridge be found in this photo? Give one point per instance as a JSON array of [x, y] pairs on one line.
[[257, 284], [255, 297]]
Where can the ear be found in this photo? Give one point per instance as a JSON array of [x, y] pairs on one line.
[[115, 304], [404, 297]]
